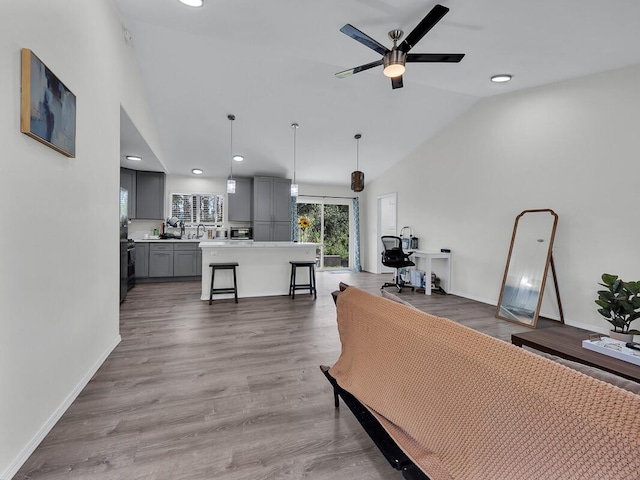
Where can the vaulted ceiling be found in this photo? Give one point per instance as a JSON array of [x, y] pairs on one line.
[[272, 63]]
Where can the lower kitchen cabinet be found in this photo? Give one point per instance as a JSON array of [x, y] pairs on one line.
[[185, 259], [142, 259], [161, 260], [165, 260]]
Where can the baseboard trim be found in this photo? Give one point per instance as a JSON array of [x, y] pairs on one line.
[[26, 452]]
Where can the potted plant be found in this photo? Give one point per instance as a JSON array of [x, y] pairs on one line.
[[619, 305]]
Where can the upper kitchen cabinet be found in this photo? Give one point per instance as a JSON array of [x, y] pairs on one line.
[[128, 181], [272, 204], [239, 203], [150, 195]]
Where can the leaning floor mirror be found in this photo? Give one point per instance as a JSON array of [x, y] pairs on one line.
[[528, 262]]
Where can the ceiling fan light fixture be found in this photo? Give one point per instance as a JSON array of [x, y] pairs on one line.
[[501, 78], [192, 3], [394, 62]]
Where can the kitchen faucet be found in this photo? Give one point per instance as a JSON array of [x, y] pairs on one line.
[[198, 230]]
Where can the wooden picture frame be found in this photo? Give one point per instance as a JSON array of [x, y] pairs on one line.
[[48, 107]]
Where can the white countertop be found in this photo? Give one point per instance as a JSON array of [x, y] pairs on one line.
[[252, 244], [179, 240]]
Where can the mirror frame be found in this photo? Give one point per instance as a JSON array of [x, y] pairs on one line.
[[548, 262]]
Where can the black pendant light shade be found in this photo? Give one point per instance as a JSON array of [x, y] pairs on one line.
[[357, 177]]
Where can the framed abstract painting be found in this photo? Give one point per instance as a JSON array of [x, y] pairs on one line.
[[48, 107]]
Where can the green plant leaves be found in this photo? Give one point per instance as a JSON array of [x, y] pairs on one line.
[[620, 304]]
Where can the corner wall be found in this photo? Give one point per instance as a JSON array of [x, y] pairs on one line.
[[570, 146], [59, 259]]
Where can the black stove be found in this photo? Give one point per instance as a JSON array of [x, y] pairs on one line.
[[131, 263]]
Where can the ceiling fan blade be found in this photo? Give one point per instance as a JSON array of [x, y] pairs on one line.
[[427, 23], [435, 57], [364, 39], [351, 71], [396, 82]]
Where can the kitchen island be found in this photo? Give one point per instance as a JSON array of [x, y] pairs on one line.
[[264, 268]]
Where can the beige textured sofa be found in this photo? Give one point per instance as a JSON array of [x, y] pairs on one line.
[[463, 405]]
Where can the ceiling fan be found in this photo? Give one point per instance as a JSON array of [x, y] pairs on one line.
[[394, 60]]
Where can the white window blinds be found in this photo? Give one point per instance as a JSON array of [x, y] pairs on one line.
[[198, 208]]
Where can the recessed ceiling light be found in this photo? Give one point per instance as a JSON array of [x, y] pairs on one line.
[[238, 158], [197, 171], [192, 3], [134, 158], [503, 77]]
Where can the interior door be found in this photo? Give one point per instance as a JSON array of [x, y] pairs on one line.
[[387, 225]]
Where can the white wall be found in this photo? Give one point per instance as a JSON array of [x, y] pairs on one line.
[[572, 147], [59, 287]]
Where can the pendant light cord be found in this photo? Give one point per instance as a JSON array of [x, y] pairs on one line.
[[231, 119], [357, 137], [295, 127]]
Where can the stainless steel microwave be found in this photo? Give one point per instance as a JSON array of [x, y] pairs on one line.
[[243, 233]]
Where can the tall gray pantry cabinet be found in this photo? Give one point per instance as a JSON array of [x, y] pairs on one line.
[[271, 209]]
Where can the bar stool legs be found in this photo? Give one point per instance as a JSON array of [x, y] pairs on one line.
[[223, 266], [312, 279]]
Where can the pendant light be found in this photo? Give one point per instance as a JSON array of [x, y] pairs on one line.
[[294, 185], [231, 183], [357, 177]]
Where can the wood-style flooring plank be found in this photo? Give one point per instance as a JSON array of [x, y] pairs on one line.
[[225, 391]]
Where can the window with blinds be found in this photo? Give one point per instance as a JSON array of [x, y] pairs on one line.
[[198, 208]]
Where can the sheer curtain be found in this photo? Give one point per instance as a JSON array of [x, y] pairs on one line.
[[357, 267]]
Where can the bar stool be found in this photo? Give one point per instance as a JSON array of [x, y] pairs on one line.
[[223, 266], [311, 265]]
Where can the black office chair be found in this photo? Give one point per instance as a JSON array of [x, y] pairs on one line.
[[393, 256]]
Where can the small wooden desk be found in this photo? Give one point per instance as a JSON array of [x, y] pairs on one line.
[[428, 257], [566, 341]]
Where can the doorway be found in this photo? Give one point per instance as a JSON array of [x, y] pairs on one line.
[[330, 225], [387, 225]]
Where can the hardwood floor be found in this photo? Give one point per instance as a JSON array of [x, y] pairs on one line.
[[228, 391]]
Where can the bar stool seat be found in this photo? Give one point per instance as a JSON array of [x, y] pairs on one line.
[[293, 286], [223, 266]]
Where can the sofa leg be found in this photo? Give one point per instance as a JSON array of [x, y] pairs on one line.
[[334, 384]]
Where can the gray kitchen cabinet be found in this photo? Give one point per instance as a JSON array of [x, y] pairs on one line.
[[142, 259], [281, 200], [185, 259], [262, 231], [160, 260], [272, 205], [198, 261], [272, 231], [128, 181], [239, 203], [150, 195], [281, 232]]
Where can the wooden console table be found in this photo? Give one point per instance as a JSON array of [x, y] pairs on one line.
[[566, 342]]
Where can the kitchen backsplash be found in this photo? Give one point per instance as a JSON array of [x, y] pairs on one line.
[[139, 228]]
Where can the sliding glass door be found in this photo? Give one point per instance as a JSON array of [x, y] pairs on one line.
[[330, 226]]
